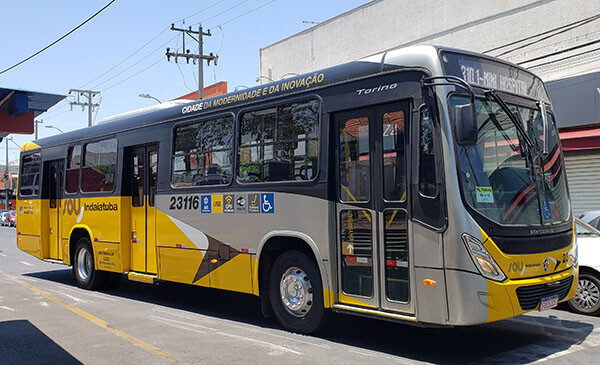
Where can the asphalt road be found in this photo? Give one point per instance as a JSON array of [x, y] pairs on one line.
[[46, 318]]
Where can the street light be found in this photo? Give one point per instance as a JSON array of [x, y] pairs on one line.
[[51, 126], [263, 77], [148, 96]]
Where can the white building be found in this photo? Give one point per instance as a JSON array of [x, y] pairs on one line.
[[559, 40]]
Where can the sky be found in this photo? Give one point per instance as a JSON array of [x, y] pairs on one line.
[[121, 52]]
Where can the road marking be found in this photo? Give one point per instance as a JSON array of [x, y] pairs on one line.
[[268, 344], [290, 339], [165, 321], [3, 255], [246, 328], [43, 304], [182, 323], [77, 300], [591, 341], [97, 321], [26, 263], [364, 353], [7, 308], [80, 291]]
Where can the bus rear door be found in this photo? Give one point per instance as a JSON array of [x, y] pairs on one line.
[[143, 173], [54, 181], [373, 237]]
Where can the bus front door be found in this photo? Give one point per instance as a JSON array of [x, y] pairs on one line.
[[372, 209], [54, 181], [143, 164]]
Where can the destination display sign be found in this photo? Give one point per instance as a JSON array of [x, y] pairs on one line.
[[493, 75]]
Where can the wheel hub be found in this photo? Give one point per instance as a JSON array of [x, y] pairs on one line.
[[588, 294], [84, 264], [296, 292]]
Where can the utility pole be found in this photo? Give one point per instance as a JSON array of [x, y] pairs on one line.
[[200, 56], [37, 123], [6, 178], [89, 94]]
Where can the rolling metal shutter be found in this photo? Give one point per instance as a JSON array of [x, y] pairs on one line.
[[583, 174]]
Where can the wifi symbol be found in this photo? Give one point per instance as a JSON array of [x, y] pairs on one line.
[[228, 199]]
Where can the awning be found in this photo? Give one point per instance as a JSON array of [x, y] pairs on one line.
[[18, 108], [580, 139]]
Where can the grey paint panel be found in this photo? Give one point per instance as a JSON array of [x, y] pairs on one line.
[[466, 296], [576, 100], [431, 300]]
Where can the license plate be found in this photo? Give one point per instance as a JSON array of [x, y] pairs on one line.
[[549, 303]]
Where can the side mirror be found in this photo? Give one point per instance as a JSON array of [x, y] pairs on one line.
[[465, 124]]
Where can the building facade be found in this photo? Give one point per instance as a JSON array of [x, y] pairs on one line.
[[559, 40]]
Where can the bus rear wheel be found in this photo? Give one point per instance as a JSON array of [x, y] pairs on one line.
[[296, 293], [86, 275]]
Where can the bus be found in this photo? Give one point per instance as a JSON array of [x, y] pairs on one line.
[[423, 185]]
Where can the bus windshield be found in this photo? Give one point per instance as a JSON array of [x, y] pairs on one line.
[[505, 179]]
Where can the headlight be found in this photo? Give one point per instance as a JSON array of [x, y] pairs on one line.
[[483, 260]]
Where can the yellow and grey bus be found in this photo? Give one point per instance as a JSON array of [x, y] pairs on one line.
[[423, 184]]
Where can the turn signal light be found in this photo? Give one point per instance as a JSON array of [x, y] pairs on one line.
[[429, 282], [214, 261]]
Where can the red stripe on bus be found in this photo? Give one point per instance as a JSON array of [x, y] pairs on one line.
[[350, 259]]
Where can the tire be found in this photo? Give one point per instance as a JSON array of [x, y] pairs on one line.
[[587, 298], [86, 275], [296, 293]]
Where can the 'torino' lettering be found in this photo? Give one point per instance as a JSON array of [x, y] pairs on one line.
[[376, 89]]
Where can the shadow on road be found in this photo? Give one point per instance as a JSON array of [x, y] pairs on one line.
[[23, 343], [534, 337]]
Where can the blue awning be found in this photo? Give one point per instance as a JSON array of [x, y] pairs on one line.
[[37, 102]]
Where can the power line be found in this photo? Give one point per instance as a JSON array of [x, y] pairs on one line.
[[135, 64], [135, 74], [147, 43], [58, 40], [200, 11], [183, 77], [56, 115], [57, 108], [246, 13], [128, 57], [223, 12], [547, 37], [560, 52], [565, 58], [539, 34]]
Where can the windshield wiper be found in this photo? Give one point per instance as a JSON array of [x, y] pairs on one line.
[[491, 94], [492, 118]]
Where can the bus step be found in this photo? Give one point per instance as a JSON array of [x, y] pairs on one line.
[[140, 277], [54, 261]]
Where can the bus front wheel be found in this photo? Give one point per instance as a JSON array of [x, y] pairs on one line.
[[86, 275], [296, 292]]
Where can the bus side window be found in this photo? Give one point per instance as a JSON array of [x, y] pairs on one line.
[[72, 170], [279, 143], [29, 178], [427, 174]]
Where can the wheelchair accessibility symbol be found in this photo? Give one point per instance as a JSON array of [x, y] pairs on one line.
[[267, 203]]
